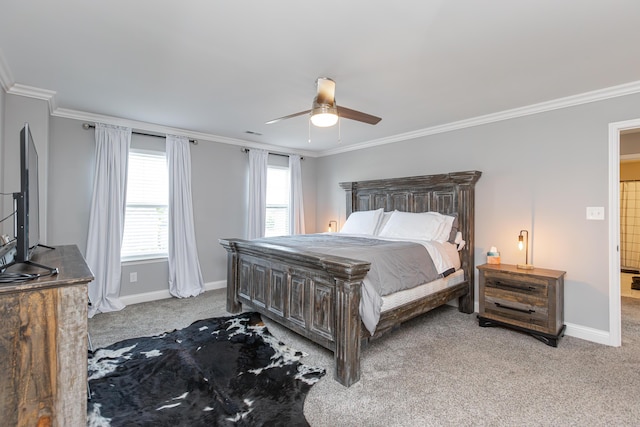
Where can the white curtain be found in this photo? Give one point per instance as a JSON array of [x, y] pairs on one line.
[[185, 277], [257, 192], [297, 208], [106, 221]]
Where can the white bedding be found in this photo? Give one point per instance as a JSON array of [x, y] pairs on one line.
[[432, 230], [445, 257], [392, 301]]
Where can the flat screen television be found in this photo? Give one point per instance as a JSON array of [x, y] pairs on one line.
[[27, 200], [27, 209]]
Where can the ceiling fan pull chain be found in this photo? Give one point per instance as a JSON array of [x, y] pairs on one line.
[[339, 131], [309, 124]]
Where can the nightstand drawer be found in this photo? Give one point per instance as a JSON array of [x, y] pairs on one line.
[[526, 312], [535, 289]]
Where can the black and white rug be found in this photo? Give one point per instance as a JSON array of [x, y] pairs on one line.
[[227, 371]]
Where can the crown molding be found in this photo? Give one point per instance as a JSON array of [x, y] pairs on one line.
[[569, 101], [34, 92], [6, 78], [164, 130]]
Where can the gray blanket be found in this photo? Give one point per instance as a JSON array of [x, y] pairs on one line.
[[395, 265]]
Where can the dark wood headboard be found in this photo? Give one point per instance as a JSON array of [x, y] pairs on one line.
[[449, 193]]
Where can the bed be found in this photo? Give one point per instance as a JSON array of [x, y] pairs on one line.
[[318, 295]]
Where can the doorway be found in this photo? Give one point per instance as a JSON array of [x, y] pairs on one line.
[[616, 130]]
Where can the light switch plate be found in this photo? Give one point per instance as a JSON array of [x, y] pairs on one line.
[[595, 213]]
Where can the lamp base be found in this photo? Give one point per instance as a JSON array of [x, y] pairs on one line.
[[525, 266]]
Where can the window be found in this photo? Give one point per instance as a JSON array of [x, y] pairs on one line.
[[277, 218], [146, 221]]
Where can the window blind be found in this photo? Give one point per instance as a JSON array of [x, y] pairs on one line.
[[146, 216], [278, 202]]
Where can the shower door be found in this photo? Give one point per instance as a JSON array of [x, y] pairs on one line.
[[630, 225]]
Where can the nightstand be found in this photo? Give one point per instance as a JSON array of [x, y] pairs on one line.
[[530, 301]]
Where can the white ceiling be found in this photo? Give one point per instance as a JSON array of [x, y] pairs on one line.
[[217, 69]]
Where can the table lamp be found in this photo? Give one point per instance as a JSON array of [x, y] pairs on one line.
[[523, 241]]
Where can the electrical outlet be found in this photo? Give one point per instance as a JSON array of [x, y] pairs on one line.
[[133, 277], [595, 213]]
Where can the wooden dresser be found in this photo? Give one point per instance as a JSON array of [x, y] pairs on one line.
[[531, 301], [43, 343]]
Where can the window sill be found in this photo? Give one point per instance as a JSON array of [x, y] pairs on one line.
[[137, 261]]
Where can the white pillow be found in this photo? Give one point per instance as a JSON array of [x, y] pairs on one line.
[[362, 222], [445, 235], [417, 226], [383, 221]]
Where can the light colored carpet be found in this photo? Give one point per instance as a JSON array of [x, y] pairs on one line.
[[442, 369]]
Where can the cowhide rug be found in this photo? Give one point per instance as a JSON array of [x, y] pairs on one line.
[[227, 371]]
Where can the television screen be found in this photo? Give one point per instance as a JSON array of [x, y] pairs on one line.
[[27, 201]]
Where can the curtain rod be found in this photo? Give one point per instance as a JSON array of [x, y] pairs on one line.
[[87, 126], [246, 150]]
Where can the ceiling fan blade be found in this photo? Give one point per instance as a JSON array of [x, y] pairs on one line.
[[288, 117], [347, 113], [326, 91]]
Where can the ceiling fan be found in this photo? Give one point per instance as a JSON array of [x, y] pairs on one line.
[[324, 111]]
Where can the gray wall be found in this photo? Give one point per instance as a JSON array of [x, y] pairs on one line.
[[71, 182], [540, 172], [219, 188]]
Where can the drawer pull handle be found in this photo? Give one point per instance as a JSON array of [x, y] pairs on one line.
[[517, 288], [514, 309]]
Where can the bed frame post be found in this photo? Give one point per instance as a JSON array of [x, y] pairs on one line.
[[466, 209], [347, 329], [233, 305], [351, 202]]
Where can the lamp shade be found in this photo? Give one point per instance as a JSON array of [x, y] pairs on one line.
[[324, 116]]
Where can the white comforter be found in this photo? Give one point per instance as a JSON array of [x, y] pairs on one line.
[[445, 257]]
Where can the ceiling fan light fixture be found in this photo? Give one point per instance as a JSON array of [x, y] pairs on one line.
[[324, 112], [324, 116]]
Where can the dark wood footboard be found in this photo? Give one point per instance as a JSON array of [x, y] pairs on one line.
[[391, 319], [315, 295]]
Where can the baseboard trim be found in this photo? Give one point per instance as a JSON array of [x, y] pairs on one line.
[[577, 331], [164, 294], [589, 334]]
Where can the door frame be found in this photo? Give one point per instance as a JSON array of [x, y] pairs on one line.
[[615, 310]]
